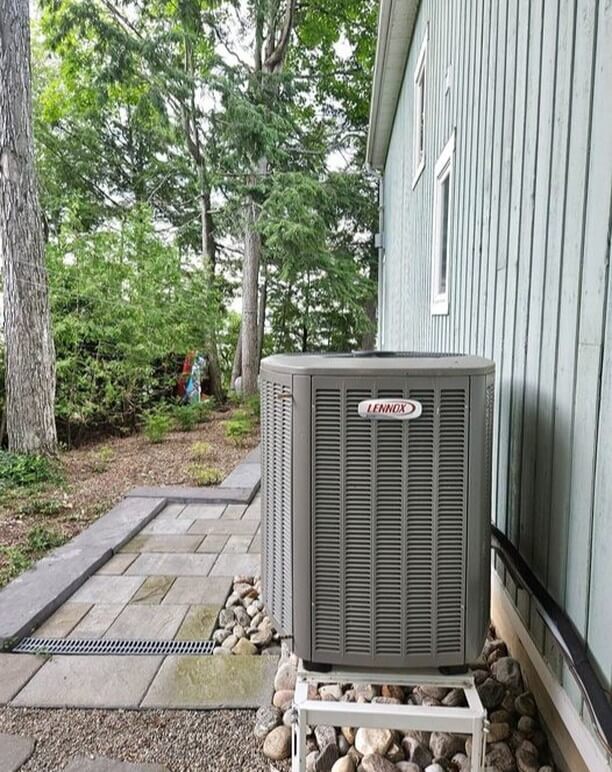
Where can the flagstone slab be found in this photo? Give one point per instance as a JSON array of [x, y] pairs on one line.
[[238, 543], [101, 764], [253, 510], [213, 543], [234, 511], [234, 564], [63, 621], [152, 590], [156, 564], [199, 591], [97, 621], [255, 546], [226, 527], [199, 623], [157, 623], [82, 681], [163, 542], [15, 750], [15, 671], [212, 682], [117, 564], [203, 511], [168, 525], [108, 589], [185, 495], [245, 475]]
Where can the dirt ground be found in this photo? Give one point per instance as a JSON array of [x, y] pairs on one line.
[[97, 475]]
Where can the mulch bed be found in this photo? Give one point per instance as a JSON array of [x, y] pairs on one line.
[[97, 475]]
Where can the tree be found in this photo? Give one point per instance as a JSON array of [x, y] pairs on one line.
[[30, 354]]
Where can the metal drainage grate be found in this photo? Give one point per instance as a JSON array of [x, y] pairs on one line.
[[109, 646]]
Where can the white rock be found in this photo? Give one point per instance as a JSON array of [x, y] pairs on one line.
[[373, 741]]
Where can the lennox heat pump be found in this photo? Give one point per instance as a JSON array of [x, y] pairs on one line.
[[376, 479]]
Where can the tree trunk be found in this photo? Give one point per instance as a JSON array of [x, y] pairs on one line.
[[261, 325], [237, 364], [250, 280], [30, 353]]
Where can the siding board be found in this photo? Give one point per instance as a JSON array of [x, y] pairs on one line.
[[530, 105]]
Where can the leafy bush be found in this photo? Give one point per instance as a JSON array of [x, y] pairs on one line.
[[203, 410], [157, 424], [25, 471], [238, 427], [102, 459], [205, 475], [186, 417]]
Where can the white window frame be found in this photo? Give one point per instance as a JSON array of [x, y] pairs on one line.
[[443, 172], [419, 97]]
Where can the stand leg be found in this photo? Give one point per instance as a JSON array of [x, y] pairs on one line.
[[298, 747]]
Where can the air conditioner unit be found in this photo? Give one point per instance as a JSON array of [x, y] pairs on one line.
[[376, 480]]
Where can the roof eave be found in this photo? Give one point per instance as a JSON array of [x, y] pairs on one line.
[[396, 21]]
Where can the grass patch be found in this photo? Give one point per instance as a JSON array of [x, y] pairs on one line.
[[205, 475], [102, 459]]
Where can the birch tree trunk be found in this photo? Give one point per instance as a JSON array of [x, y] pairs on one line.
[[30, 353]]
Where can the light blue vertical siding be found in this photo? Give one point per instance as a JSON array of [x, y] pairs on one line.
[[530, 103]]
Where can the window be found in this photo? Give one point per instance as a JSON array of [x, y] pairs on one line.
[[441, 232], [418, 163]]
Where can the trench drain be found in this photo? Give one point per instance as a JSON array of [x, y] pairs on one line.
[[110, 646]]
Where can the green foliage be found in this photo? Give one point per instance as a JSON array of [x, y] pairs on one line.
[[41, 539], [25, 471], [41, 507], [157, 424], [16, 559], [201, 450], [205, 475], [186, 417], [239, 427], [102, 459]]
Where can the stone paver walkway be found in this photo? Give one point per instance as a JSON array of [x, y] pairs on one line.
[[169, 582]]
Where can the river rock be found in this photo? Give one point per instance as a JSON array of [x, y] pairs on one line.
[[526, 705], [261, 637], [407, 766], [508, 672], [527, 725], [365, 691], [325, 735], [220, 635], [244, 647], [344, 764], [461, 761], [394, 691], [277, 745], [230, 642], [226, 617], [435, 692], [242, 617], [500, 716], [454, 699], [331, 690], [527, 757], [445, 744], [498, 731], [500, 757], [285, 678], [491, 693], [232, 600], [267, 718], [283, 699], [326, 758], [395, 753], [374, 762], [416, 752], [373, 741], [435, 767], [349, 734]]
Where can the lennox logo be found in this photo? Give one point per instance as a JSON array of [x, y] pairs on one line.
[[402, 409]]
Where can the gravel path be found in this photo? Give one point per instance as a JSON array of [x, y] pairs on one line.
[[186, 741]]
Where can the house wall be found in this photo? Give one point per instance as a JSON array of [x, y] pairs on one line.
[[530, 102]]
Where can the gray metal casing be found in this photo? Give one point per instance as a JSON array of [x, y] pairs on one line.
[[376, 546]]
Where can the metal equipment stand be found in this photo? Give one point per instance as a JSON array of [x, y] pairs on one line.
[[462, 720]]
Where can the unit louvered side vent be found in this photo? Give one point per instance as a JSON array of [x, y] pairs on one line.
[[276, 441], [489, 408], [326, 525], [420, 496], [358, 533], [450, 531]]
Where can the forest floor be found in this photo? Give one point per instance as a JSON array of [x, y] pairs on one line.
[[93, 477]]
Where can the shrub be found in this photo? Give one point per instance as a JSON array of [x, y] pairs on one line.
[[185, 417], [201, 450], [238, 427], [25, 471], [102, 459], [205, 475], [203, 409], [157, 424]]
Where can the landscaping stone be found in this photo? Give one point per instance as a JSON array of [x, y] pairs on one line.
[[244, 647], [526, 705], [62, 621], [491, 693], [344, 764], [212, 682], [285, 678], [15, 750], [374, 762], [72, 681], [527, 757], [508, 672], [283, 699], [97, 621], [266, 719], [277, 745], [373, 740], [158, 623], [168, 564], [153, 590], [500, 757], [15, 671], [198, 624], [407, 766], [445, 744], [198, 591], [108, 589]]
